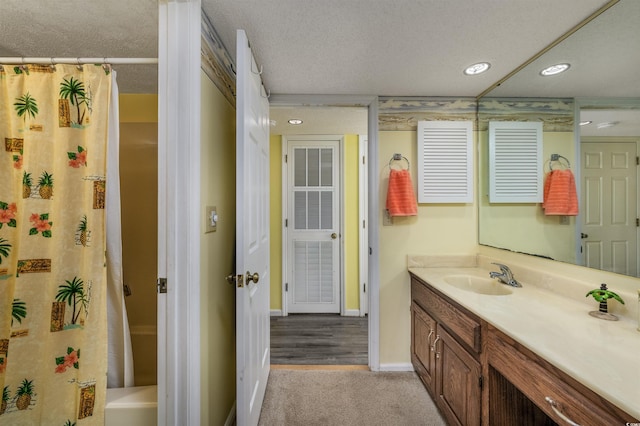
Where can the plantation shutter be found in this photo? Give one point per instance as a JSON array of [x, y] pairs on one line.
[[515, 162], [445, 162]]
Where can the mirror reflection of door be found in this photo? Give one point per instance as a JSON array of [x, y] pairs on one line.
[[313, 243], [609, 206]]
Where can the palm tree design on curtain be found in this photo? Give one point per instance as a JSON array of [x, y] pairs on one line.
[[73, 90], [25, 106], [5, 249], [18, 311], [73, 293]]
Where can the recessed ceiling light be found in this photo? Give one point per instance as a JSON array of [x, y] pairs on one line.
[[555, 69], [295, 121], [584, 123], [478, 68]]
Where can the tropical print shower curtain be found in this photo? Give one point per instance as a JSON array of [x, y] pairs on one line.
[[53, 334]]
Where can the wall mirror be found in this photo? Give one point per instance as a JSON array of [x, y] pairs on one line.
[[602, 87]]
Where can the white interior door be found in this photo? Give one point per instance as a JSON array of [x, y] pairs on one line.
[[313, 236], [252, 236], [609, 228]]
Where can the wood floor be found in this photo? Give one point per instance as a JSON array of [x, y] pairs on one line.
[[319, 339]]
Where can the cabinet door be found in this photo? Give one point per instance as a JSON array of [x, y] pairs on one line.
[[423, 333], [458, 386]]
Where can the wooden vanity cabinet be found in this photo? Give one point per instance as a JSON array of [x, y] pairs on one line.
[[562, 399], [445, 349]]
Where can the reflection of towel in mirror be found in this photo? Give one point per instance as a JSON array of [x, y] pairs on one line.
[[560, 196], [401, 200]]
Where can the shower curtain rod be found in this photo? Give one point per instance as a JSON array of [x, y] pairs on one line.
[[22, 60]]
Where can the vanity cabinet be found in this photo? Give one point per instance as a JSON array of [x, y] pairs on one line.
[[525, 386], [445, 350]]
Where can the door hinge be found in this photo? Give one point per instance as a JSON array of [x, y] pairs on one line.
[[364, 224], [286, 223], [286, 287], [364, 287], [637, 221], [370, 251], [480, 381], [162, 285], [637, 161], [286, 158], [363, 159]]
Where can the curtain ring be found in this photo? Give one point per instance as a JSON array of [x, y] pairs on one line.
[[23, 67], [78, 64], [53, 65]]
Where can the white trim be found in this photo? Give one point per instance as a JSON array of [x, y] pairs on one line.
[[284, 149], [276, 313], [363, 225], [370, 102], [342, 214], [400, 366], [231, 418], [179, 192], [351, 313]]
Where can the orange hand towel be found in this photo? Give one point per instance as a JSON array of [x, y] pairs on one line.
[[401, 200], [560, 197]]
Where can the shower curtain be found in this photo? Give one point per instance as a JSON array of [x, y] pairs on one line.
[[53, 269]]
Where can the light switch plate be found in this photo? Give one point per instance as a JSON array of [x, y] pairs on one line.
[[210, 219]]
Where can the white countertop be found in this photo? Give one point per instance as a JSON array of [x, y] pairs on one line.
[[602, 355]]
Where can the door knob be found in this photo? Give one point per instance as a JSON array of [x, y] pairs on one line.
[[253, 277], [583, 235], [334, 236]]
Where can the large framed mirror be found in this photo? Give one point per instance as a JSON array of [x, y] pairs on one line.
[[601, 88]]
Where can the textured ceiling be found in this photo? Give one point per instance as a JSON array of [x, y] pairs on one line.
[[380, 47]]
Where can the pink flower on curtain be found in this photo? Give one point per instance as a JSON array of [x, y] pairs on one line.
[[8, 214], [17, 161], [71, 359], [77, 159], [40, 224]]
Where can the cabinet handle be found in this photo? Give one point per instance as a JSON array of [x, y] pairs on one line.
[[556, 409], [433, 347], [429, 336]]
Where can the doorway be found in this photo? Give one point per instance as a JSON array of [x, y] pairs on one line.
[[318, 311]]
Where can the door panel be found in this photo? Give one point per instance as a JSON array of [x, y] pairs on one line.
[[252, 238], [609, 206], [313, 238]]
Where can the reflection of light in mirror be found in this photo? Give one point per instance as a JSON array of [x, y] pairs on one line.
[[554, 69], [586, 122], [295, 121], [606, 124]]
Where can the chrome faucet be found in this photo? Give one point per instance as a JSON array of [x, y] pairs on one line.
[[505, 275]]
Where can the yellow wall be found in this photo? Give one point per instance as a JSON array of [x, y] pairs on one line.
[[350, 232], [139, 198], [438, 229], [217, 297]]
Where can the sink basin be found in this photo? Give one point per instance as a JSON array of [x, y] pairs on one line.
[[478, 285]]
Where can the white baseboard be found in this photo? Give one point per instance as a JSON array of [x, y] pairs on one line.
[[397, 367], [352, 313], [276, 312], [231, 418]]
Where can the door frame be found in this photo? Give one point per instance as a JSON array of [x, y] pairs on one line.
[[371, 103], [179, 371], [285, 209]]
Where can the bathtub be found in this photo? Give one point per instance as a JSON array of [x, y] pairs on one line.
[[134, 406]]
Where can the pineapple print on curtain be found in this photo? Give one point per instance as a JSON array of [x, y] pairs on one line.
[[53, 333]]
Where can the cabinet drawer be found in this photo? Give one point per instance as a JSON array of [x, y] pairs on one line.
[[466, 328], [545, 388]]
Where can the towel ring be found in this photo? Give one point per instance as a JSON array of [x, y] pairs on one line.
[[399, 157], [557, 157]]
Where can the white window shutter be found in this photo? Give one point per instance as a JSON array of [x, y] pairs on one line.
[[445, 161], [515, 162]]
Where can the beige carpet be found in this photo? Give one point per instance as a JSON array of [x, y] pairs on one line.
[[346, 398]]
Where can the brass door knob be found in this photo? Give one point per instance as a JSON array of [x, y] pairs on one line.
[[253, 277], [334, 236]]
